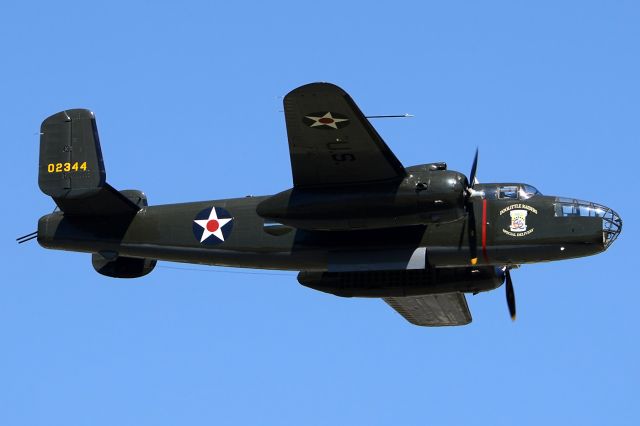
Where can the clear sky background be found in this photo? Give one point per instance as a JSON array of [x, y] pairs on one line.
[[188, 101]]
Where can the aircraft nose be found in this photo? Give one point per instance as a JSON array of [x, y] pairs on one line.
[[611, 227]]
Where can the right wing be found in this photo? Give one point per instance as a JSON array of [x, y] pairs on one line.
[[331, 142], [432, 310]]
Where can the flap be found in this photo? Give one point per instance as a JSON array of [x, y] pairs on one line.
[[432, 310]]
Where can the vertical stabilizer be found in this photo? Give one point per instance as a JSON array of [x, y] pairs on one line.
[[71, 169]]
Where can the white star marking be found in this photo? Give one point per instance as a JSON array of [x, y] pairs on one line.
[[213, 218], [326, 120]]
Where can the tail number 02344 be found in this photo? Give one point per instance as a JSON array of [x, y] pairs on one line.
[[66, 167]]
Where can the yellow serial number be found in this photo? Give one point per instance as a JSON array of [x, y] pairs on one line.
[[66, 167]]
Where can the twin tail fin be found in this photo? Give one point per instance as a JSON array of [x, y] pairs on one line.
[[71, 169]]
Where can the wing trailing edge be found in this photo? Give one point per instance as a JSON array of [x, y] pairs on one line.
[[433, 310]]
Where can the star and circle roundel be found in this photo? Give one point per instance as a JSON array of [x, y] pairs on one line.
[[212, 225], [326, 120]]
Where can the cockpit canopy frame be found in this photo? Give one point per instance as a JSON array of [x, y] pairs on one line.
[[611, 222], [506, 191]]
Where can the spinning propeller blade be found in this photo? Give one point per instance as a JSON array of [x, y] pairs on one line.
[[469, 207], [474, 167], [511, 297]]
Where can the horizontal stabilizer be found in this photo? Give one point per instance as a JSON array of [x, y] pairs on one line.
[[122, 267], [106, 201]]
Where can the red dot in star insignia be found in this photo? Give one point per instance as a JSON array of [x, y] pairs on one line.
[[213, 225], [326, 120]]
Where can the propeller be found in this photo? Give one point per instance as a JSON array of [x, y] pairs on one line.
[[511, 296], [469, 206], [472, 175]]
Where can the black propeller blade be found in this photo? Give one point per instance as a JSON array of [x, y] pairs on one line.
[[474, 167], [469, 206], [473, 240], [511, 297]]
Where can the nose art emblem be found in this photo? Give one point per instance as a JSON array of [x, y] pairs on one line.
[[518, 214]]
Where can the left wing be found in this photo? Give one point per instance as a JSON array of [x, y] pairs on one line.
[[331, 142], [432, 310]]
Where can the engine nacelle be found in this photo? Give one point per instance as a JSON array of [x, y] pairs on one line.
[[426, 195], [401, 283]]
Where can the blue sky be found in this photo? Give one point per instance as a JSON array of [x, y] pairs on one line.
[[188, 102]]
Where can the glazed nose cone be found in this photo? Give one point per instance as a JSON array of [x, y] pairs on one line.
[[611, 227]]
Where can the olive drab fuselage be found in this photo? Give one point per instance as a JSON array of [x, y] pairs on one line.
[[504, 231]]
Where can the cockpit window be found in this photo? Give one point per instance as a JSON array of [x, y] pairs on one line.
[[512, 191], [528, 191], [509, 192]]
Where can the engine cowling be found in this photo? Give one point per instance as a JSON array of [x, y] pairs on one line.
[[426, 195]]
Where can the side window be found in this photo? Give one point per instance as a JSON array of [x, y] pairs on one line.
[[508, 192], [569, 210]]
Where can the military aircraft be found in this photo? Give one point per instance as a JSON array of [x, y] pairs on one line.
[[356, 222]]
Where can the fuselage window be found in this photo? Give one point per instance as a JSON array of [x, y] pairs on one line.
[[566, 208], [569, 210], [509, 192]]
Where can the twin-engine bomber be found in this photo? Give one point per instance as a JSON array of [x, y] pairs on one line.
[[356, 222]]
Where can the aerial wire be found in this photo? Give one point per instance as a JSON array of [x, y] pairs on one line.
[[178, 268]]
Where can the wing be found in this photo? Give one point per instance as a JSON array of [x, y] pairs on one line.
[[331, 142], [432, 310]]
